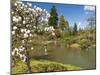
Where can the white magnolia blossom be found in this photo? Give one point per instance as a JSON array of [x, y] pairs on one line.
[[25, 30], [22, 30], [27, 25], [23, 4], [46, 19], [19, 2], [34, 26], [26, 6], [48, 15], [13, 53], [15, 4], [23, 41], [53, 34], [25, 35], [13, 32], [21, 49], [16, 18], [30, 40], [12, 12], [16, 49], [24, 22], [32, 48], [49, 29], [21, 56], [24, 58], [30, 35], [38, 9], [14, 28], [29, 4], [19, 20], [28, 31]]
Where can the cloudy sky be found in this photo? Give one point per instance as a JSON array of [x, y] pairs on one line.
[[72, 13]]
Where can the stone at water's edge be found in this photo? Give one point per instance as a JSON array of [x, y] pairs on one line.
[[75, 45]]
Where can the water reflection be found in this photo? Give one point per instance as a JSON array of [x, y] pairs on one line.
[[82, 58]]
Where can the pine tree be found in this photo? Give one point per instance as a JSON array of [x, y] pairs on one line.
[[75, 29], [53, 20], [63, 24]]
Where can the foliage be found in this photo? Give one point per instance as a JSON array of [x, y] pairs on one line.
[[63, 24], [84, 43], [53, 19], [58, 33]]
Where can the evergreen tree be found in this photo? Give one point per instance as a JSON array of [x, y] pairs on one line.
[[63, 24], [53, 20], [75, 29]]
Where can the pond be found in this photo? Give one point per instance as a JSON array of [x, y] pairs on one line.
[[86, 59]]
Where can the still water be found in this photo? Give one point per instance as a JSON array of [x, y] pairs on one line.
[[86, 59]]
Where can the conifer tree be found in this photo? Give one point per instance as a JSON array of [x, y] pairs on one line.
[[75, 29], [53, 19]]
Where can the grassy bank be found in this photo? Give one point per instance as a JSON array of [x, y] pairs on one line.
[[42, 66]]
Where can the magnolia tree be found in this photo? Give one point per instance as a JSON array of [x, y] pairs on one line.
[[26, 21]]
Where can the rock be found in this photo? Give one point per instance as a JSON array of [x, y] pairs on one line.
[[75, 45]]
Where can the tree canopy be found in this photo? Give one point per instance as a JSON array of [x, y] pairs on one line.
[[53, 19], [63, 24]]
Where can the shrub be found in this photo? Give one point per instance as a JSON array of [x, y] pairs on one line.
[[75, 45], [84, 43], [58, 33]]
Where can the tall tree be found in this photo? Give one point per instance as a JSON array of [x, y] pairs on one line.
[[75, 29], [24, 22], [53, 19], [63, 24], [91, 22]]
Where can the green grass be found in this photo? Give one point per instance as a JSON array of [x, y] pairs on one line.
[[42, 66], [18, 68]]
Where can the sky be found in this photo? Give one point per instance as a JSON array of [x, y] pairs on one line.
[[72, 13]]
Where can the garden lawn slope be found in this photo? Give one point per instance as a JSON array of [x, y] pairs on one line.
[[42, 66]]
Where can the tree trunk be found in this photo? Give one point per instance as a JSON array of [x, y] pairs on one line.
[[28, 62]]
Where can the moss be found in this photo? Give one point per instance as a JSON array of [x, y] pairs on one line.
[[42, 66]]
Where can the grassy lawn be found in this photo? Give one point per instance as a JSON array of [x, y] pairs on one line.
[[42, 66]]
